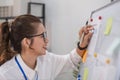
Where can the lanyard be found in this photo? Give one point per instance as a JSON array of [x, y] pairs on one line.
[[23, 70]]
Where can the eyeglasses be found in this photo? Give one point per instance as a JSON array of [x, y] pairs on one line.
[[43, 35]]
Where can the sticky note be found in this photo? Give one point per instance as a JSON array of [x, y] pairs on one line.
[[95, 55], [108, 26], [108, 61], [85, 56], [85, 75]]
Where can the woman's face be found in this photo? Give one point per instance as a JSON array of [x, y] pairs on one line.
[[39, 43]]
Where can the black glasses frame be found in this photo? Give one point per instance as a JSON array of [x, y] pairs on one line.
[[44, 35]]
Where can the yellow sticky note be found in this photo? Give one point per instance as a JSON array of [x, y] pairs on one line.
[[84, 57], [95, 55], [108, 26], [85, 75]]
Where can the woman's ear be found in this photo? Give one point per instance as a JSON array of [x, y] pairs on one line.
[[26, 42]]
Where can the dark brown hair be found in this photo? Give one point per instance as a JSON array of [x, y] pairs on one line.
[[12, 35], [5, 51]]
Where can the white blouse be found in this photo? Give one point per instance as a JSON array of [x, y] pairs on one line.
[[48, 67]]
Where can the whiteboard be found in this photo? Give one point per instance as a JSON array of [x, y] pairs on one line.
[[104, 48], [110, 11]]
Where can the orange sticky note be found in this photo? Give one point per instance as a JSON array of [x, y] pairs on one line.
[[95, 55], [108, 61], [85, 56]]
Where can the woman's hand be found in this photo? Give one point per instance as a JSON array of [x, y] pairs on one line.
[[87, 32]]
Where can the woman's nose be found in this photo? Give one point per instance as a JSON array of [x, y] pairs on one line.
[[46, 40]]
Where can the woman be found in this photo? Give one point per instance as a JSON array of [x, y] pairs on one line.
[[27, 36]]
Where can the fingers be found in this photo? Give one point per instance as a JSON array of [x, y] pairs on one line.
[[88, 28], [86, 40], [81, 31], [87, 34], [85, 30]]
